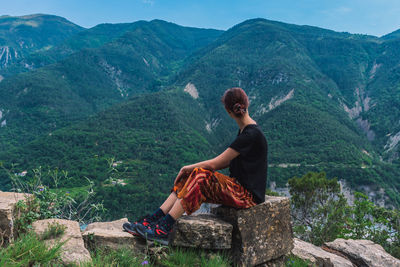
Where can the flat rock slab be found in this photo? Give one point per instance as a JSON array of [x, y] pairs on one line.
[[318, 256], [364, 252], [8, 200], [202, 231], [111, 235], [261, 233], [73, 251]]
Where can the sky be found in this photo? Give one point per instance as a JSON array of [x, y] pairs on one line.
[[374, 17]]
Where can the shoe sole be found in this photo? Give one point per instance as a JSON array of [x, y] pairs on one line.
[[144, 235]]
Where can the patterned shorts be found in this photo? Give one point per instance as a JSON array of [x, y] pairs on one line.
[[212, 187]]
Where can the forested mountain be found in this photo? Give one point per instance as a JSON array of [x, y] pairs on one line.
[[20, 36], [92, 79], [148, 95]]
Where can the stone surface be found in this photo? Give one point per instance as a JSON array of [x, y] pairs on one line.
[[8, 200], [111, 235], [202, 231], [261, 233], [73, 251], [364, 252], [318, 256]]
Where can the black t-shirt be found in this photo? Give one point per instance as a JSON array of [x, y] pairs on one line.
[[250, 167]]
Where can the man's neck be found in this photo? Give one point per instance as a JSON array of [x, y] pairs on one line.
[[244, 121]]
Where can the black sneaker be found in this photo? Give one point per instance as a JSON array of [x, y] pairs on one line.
[[145, 221], [130, 228], [158, 233]]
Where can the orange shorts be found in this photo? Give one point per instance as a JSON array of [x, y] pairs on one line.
[[212, 187]]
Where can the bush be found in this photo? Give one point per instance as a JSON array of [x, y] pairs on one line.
[[378, 224], [319, 208]]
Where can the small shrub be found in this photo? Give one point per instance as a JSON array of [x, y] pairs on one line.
[[26, 212], [269, 192], [53, 230]]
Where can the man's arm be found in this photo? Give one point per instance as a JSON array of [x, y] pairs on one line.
[[219, 162]]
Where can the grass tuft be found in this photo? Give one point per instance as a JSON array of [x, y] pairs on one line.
[[53, 230], [30, 250]]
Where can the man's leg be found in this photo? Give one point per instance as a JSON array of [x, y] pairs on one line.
[[169, 203], [177, 209]]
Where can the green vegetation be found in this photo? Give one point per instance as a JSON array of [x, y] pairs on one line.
[[30, 250], [115, 92], [123, 257], [375, 223], [294, 261], [53, 230], [320, 214], [30, 34], [44, 203], [192, 257], [319, 208]]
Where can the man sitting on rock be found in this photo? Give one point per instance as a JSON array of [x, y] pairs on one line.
[[246, 158]]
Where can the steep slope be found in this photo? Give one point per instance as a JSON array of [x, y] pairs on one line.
[[150, 136], [20, 36], [139, 61], [392, 35], [302, 82], [90, 38], [383, 89]]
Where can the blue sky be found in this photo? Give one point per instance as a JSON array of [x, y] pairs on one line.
[[375, 17]]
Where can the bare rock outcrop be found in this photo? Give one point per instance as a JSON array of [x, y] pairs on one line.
[[317, 256], [364, 252], [261, 234], [111, 235], [73, 251], [202, 231], [8, 200]]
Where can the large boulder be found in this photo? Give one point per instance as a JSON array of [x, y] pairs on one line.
[[73, 251], [261, 233], [317, 256], [363, 252], [202, 231], [8, 200], [111, 235]]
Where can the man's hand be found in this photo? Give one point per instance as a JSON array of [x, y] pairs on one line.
[[184, 171]]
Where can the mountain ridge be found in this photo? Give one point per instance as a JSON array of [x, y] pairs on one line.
[[316, 93]]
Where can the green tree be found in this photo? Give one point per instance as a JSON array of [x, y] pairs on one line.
[[375, 223], [319, 209]]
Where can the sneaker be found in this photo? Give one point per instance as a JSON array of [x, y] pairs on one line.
[[145, 221], [158, 233], [130, 228]]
